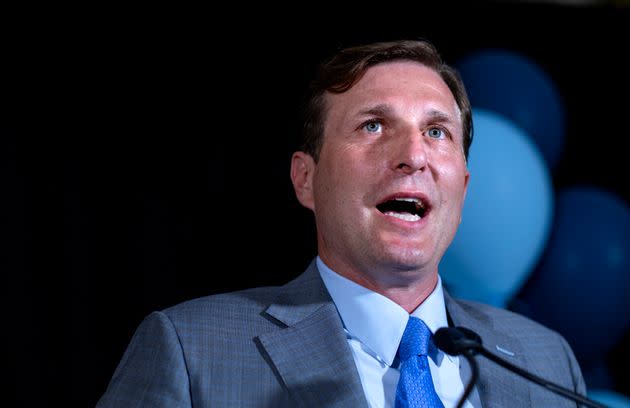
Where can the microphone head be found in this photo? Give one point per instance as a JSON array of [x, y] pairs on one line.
[[455, 340]]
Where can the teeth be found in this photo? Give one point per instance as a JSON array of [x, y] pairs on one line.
[[416, 201], [403, 216]]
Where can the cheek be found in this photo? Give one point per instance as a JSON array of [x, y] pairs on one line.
[[339, 190], [344, 175], [327, 186], [454, 182]]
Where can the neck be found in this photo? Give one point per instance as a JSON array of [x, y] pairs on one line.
[[408, 289], [408, 296]]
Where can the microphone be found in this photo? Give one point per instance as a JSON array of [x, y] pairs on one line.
[[460, 340], [456, 341]]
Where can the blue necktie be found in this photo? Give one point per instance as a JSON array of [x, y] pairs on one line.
[[415, 386]]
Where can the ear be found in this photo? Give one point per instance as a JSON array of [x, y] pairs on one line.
[[466, 180], [302, 169]]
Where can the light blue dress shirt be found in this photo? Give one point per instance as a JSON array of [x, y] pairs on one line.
[[375, 324]]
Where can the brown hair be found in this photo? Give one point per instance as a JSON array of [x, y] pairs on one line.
[[345, 68]]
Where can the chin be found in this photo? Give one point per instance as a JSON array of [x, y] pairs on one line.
[[408, 259]]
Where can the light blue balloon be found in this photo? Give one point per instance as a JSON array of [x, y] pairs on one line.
[[609, 398], [506, 217]]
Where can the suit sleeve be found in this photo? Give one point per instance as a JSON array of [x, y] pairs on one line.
[[152, 372]]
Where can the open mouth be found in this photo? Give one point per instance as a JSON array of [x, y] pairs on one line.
[[404, 208]]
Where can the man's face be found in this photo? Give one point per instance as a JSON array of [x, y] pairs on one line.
[[389, 186]]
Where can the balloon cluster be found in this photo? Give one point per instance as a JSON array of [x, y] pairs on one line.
[[560, 256]]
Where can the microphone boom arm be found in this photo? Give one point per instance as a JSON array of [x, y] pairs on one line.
[[460, 340], [538, 380]]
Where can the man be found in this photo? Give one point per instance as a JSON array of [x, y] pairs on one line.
[[383, 167]]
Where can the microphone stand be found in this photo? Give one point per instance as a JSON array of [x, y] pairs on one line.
[[474, 368]]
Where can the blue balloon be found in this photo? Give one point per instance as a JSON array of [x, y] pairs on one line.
[[517, 88], [609, 398], [581, 285], [506, 217]]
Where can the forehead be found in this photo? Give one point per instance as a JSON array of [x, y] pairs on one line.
[[402, 70], [403, 87], [407, 84]]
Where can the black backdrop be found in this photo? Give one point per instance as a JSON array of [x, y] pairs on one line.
[[144, 158]]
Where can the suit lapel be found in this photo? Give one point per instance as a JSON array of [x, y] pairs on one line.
[[496, 385], [311, 352]]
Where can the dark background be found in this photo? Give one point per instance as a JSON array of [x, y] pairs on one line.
[[144, 158]]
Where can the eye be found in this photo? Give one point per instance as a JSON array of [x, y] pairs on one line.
[[373, 126], [436, 133]]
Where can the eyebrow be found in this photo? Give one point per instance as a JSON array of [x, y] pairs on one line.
[[378, 110], [441, 117], [434, 115]]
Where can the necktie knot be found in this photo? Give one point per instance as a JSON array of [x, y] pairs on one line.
[[415, 340]]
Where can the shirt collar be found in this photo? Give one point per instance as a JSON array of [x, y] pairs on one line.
[[374, 320]]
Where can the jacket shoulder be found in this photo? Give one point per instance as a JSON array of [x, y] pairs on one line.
[[506, 321], [219, 309]]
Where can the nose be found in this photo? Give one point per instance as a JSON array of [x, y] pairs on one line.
[[410, 152]]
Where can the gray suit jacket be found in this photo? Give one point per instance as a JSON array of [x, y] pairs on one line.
[[285, 346]]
